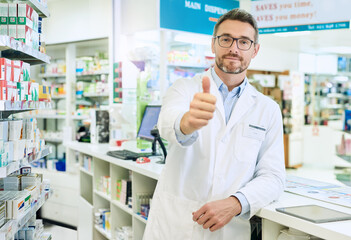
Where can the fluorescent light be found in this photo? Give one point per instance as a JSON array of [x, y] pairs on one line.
[[336, 49], [193, 39], [292, 34]]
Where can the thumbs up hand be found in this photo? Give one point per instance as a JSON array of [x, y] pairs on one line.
[[201, 109]]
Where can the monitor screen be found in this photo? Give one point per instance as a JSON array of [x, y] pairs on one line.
[[148, 122]]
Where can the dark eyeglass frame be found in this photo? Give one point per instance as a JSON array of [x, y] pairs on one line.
[[234, 39]]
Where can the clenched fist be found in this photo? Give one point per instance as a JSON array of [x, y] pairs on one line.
[[201, 109]]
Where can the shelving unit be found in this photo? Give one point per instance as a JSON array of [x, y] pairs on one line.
[[144, 179], [16, 50], [10, 228], [14, 166]]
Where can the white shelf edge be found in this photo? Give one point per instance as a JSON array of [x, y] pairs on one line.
[[85, 171], [101, 194], [140, 218], [95, 95], [59, 75], [46, 116], [21, 51], [15, 165], [53, 140], [39, 8], [122, 207], [102, 231]]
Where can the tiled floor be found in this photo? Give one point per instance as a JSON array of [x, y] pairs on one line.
[[60, 233]]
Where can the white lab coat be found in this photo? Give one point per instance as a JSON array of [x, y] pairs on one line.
[[245, 155]]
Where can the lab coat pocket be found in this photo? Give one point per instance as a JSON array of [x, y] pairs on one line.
[[248, 142], [173, 217]]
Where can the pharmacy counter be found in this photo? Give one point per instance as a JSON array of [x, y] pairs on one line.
[[272, 221], [152, 169]]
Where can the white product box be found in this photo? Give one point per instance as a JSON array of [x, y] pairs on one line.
[[35, 40], [26, 72], [12, 31], [25, 34], [19, 148], [8, 155], [4, 130], [34, 91], [15, 129], [35, 19]]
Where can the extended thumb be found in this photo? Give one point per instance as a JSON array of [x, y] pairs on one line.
[[206, 84]]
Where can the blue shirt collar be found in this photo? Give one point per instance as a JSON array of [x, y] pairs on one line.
[[220, 83]]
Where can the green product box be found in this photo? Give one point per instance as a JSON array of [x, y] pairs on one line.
[[4, 13], [12, 13]]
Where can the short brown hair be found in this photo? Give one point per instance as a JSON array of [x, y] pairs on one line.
[[240, 15]]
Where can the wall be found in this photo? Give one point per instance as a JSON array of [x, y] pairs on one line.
[[75, 20]]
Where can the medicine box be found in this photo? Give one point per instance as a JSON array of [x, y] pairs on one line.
[[25, 34], [24, 15], [12, 13], [4, 130], [4, 18], [15, 129], [12, 31], [4, 13]]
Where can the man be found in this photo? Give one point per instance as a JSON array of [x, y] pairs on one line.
[[226, 157]]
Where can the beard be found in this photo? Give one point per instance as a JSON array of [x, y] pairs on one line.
[[230, 68]]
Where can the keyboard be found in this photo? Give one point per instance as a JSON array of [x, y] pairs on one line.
[[126, 154]]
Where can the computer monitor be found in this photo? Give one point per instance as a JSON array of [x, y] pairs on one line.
[[148, 122]]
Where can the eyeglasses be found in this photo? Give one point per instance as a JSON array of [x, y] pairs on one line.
[[227, 41]]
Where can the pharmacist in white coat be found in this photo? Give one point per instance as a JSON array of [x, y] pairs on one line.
[[226, 157]]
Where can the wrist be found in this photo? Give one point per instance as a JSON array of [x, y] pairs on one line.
[[184, 125], [236, 205]]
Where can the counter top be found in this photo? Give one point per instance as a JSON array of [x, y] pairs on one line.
[[152, 169], [340, 230]]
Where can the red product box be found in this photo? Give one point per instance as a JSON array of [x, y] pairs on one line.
[[13, 70], [12, 91], [2, 69], [3, 90]]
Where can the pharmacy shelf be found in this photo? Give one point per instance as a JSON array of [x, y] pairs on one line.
[[53, 140], [87, 74], [86, 171], [11, 107], [188, 65], [336, 95], [49, 116], [122, 206], [103, 195], [14, 166], [52, 75], [9, 229], [58, 97], [95, 95], [140, 218], [80, 117], [16, 50], [103, 232], [38, 7]]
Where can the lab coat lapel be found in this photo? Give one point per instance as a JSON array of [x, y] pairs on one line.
[[245, 102]]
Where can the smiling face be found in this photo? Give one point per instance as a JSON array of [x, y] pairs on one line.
[[233, 60]]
